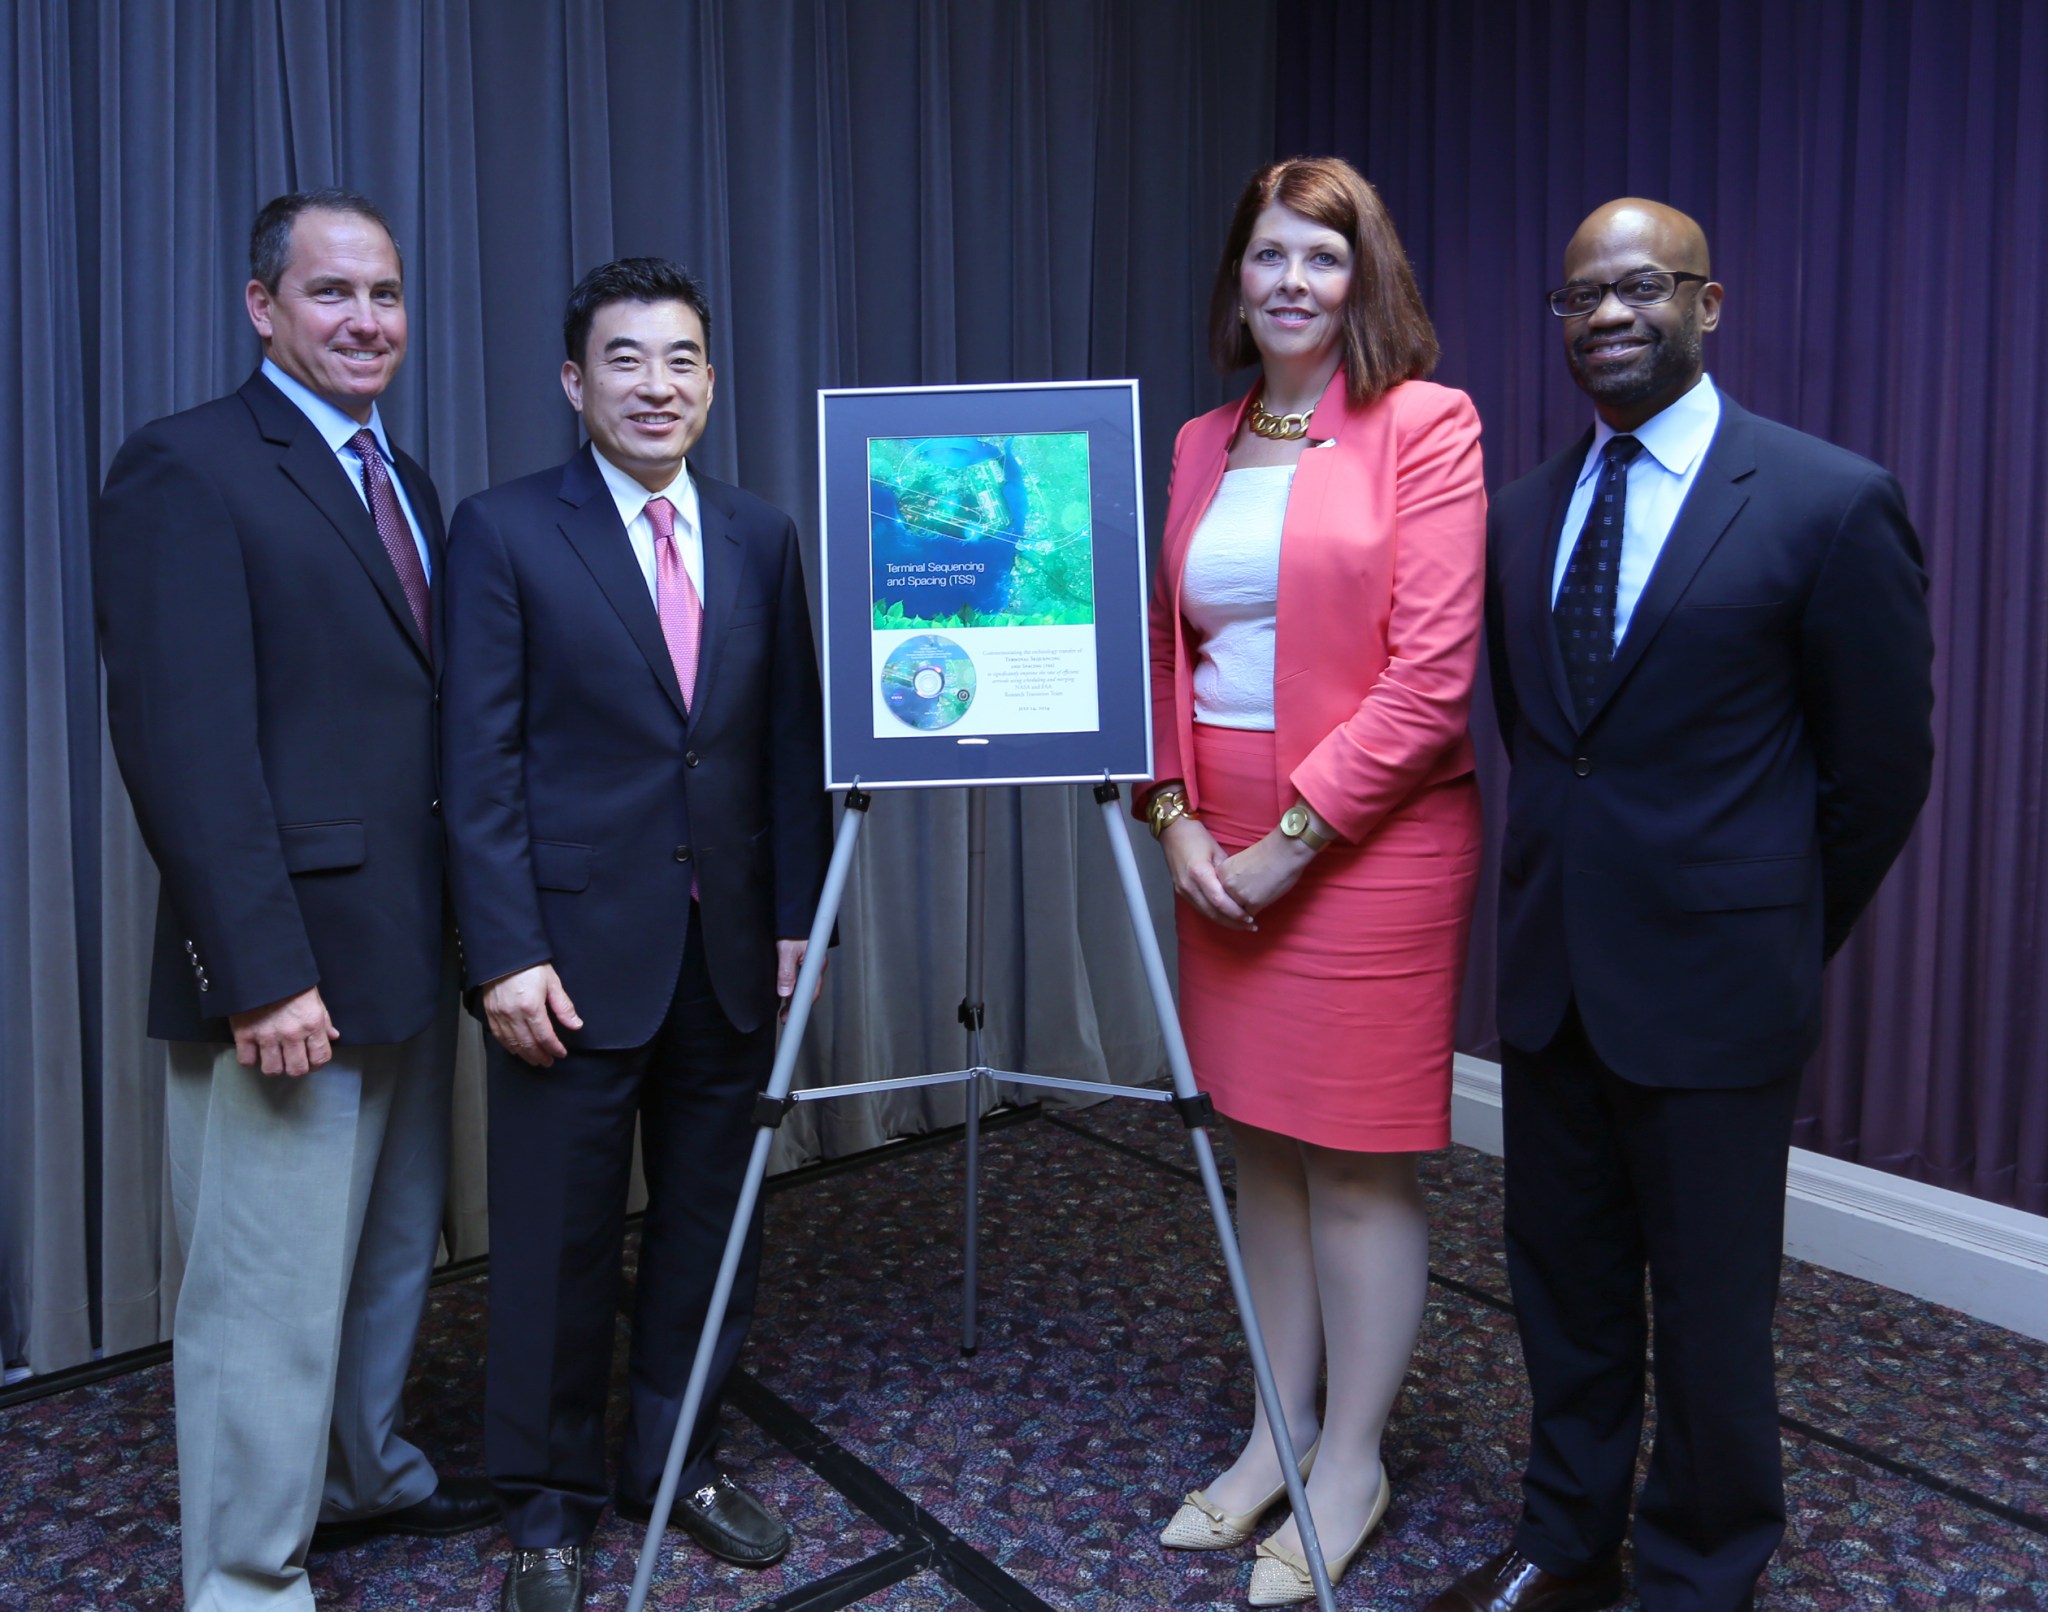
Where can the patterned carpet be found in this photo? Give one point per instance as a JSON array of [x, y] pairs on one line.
[[1109, 1378]]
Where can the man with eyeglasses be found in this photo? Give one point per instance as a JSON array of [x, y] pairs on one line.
[[1711, 662]]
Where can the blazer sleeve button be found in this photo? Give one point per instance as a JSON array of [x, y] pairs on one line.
[[1582, 765], [682, 853]]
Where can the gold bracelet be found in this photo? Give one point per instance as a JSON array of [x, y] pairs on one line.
[[1169, 814], [1167, 805]]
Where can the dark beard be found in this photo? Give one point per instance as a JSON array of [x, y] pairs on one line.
[[1666, 365]]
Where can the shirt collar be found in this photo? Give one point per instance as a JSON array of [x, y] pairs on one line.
[[633, 499], [1675, 436], [335, 427]]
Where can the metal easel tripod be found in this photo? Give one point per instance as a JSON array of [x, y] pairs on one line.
[[774, 1104]]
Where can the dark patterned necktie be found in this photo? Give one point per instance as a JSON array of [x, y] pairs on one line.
[[393, 533], [1584, 613]]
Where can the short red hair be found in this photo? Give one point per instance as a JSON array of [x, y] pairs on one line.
[[1388, 338]]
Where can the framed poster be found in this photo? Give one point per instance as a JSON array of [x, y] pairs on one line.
[[984, 585]]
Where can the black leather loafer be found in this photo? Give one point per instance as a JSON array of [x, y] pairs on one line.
[[544, 1581], [1513, 1583], [456, 1506], [726, 1520]]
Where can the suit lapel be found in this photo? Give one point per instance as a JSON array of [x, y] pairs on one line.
[[724, 557], [1537, 621], [1715, 499], [306, 459], [592, 526]]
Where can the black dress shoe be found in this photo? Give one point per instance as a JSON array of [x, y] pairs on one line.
[[548, 1580], [723, 1518], [456, 1506], [1513, 1583]]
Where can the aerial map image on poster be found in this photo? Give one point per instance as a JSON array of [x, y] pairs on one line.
[[982, 559]]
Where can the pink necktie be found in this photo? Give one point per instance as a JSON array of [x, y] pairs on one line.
[[675, 600], [393, 533], [681, 611]]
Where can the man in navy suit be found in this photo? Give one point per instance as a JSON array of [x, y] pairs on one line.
[[1711, 661], [633, 750], [263, 569]]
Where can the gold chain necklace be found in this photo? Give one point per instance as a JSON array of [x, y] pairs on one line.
[[1279, 427]]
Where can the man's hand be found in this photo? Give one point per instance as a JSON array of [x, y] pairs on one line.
[[517, 1008], [1196, 862], [789, 959], [1265, 870], [292, 1037]]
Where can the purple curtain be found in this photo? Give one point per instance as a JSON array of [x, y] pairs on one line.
[[1873, 178]]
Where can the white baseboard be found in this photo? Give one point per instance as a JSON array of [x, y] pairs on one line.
[[1947, 1247]]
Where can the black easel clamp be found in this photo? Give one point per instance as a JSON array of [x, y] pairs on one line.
[[972, 1014], [1105, 792], [858, 800], [1196, 1112], [770, 1112]]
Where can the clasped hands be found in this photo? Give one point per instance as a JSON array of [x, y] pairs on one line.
[[523, 1008], [1231, 890]]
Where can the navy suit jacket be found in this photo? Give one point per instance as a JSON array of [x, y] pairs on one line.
[[1684, 862], [581, 795], [271, 706]]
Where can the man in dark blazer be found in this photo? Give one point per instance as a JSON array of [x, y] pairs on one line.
[[633, 762], [1711, 661], [263, 570]]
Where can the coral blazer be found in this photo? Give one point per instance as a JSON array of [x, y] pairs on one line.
[[1382, 579]]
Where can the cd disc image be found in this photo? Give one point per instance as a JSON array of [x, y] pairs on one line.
[[928, 681]]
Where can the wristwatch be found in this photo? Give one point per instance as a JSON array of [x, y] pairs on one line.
[[1298, 823]]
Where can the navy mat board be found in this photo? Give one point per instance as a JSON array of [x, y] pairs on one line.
[[1119, 744]]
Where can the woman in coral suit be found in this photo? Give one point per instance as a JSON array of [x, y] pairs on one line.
[[1314, 639]]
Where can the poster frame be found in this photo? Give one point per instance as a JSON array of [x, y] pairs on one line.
[[1120, 745]]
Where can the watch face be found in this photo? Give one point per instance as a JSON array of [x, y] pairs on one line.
[[1295, 820]]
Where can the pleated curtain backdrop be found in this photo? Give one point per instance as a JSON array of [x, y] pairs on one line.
[[1873, 177], [876, 192]]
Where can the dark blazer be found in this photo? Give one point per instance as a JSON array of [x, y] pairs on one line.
[[581, 798], [1685, 862], [272, 709]]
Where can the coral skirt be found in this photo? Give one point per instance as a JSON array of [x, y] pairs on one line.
[[1333, 1023]]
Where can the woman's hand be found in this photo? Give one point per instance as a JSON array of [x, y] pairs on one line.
[[1264, 871], [1196, 862]]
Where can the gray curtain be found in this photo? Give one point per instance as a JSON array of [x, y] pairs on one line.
[[876, 192]]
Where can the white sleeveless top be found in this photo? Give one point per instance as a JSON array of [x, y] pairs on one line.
[[1229, 593]]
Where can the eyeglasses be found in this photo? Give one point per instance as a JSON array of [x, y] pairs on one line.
[[1642, 290]]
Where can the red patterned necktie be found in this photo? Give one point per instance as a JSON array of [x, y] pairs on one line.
[[393, 532], [675, 599]]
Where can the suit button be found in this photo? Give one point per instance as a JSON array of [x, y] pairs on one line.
[[689, 758], [1582, 765], [435, 808], [682, 853]]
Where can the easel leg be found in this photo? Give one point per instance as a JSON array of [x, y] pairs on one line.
[[770, 1108], [971, 1015], [1195, 1114]]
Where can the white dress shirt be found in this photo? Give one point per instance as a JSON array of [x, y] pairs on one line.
[[633, 499], [1674, 441], [335, 429]]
